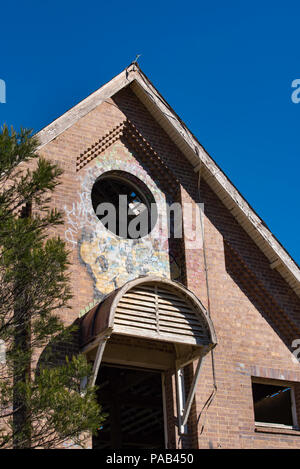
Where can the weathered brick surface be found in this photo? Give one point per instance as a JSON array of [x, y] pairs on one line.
[[256, 315]]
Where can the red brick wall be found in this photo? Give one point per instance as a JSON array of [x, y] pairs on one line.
[[253, 313]]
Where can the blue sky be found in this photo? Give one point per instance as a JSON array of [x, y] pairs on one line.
[[225, 67]]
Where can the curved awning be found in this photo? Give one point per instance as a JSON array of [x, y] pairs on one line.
[[159, 309], [153, 308]]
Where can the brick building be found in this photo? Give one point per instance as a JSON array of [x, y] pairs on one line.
[[193, 337]]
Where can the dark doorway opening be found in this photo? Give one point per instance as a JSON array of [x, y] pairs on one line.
[[133, 399]]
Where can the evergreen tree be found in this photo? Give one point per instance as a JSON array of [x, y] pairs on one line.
[[41, 404]]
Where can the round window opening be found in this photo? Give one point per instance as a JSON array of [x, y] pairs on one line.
[[124, 204]]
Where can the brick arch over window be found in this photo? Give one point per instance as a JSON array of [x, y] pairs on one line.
[[152, 308]]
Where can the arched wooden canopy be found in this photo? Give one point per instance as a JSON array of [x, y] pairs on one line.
[[159, 309], [153, 308]]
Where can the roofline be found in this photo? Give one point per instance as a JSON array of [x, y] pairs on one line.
[[188, 144], [70, 117]]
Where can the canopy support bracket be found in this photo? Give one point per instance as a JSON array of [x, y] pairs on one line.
[[184, 404], [98, 358]]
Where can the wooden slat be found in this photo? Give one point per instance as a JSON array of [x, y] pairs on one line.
[[183, 332], [178, 314], [134, 319], [180, 320], [141, 291], [135, 325], [177, 325], [153, 334], [171, 332], [141, 297], [136, 307], [174, 302], [138, 314], [169, 296], [145, 288], [137, 302], [174, 308]]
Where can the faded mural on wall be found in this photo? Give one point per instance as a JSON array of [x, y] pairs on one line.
[[112, 261]]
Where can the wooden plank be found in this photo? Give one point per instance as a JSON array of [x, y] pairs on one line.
[[140, 297], [183, 327], [136, 308], [134, 324], [137, 302], [140, 291], [170, 294], [132, 317], [177, 314], [173, 308], [175, 301], [137, 314], [181, 320], [145, 288], [153, 335], [173, 332], [181, 332]]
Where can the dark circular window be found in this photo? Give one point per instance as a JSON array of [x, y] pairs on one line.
[[124, 204]]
